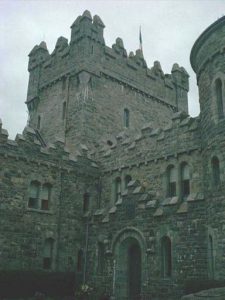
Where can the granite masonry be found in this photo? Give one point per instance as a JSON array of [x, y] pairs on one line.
[[111, 177]]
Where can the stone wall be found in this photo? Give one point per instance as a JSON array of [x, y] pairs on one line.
[[24, 229], [78, 94]]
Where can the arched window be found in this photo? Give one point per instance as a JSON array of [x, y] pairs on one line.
[[215, 170], [126, 118], [45, 196], [39, 123], [171, 181], [127, 180], [80, 261], [210, 257], [101, 258], [48, 253], [166, 256], [219, 97], [185, 180], [34, 191], [64, 111], [117, 189], [86, 202]]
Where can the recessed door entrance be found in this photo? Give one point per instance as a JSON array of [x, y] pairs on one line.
[[128, 270]]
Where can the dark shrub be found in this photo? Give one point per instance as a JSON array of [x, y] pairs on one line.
[[27, 283], [197, 285]]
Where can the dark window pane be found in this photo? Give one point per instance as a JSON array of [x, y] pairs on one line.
[[172, 189], [44, 204], [33, 203], [185, 188]]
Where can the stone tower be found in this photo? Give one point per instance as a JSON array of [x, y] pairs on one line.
[[207, 59], [86, 92], [142, 216]]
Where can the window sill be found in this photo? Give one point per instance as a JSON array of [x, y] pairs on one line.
[[41, 211]]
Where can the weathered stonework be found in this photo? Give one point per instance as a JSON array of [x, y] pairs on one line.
[[135, 201]]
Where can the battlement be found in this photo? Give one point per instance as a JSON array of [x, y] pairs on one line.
[[87, 51], [52, 155], [151, 144], [85, 26]]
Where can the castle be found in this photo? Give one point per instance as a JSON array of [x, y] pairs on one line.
[[111, 177]]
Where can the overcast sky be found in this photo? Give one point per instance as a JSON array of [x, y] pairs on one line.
[[169, 29]]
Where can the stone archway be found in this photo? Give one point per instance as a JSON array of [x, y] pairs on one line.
[[129, 254]]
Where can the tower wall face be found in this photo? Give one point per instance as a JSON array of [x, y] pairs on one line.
[[97, 83]]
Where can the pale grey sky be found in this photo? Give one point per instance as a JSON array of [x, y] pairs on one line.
[[169, 29]]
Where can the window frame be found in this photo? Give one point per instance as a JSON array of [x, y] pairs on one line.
[[47, 261], [185, 182], [40, 206], [171, 185]]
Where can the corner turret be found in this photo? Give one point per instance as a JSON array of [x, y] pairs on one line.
[[37, 56], [181, 83], [87, 32]]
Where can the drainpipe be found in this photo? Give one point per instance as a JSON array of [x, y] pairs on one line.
[[86, 250], [114, 280], [59, 221]]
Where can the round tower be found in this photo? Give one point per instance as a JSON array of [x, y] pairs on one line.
[[208, 62]]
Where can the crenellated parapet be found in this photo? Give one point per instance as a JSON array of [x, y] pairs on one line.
[[181, 136], [87, 51], [29, 147], [37, 56]]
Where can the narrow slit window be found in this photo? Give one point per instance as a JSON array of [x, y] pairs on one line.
[[48, 254], [166, 257], [64, 111], [210, 257], [126, 118], [117, 189], [219, 98], [215, 171], [39, 123]]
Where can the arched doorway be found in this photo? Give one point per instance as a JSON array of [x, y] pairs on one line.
[[129, 271]]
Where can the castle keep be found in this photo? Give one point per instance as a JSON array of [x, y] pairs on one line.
[[111, 177]]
